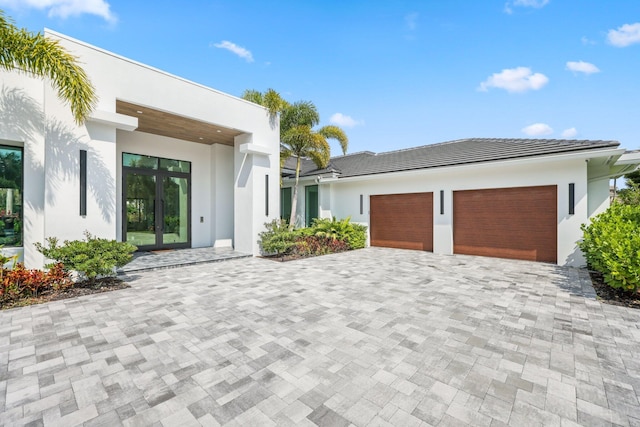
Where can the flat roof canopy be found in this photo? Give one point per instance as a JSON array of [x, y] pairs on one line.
[[159, 122]]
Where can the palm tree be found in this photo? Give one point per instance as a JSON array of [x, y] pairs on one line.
[[297, 136], [34, 53], [298, 139]]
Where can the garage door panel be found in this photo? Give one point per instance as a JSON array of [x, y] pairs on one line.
[[403, 221], [518, 223]]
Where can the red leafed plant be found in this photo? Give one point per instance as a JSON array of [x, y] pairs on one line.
[[20, 282]]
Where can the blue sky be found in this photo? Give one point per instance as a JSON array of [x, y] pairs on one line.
[[393, 74]]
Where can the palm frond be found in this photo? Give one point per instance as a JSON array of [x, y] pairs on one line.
[[274, 102], [254, 96], [301, 113], [334, 132], [319, 151], [34, 53]]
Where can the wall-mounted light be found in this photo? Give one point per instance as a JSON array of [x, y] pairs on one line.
[[441, 202], [361, 204], [572, 198]]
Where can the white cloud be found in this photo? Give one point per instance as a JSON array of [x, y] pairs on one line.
[[519, 79], [234, 48], [508, 7], [626, 35], [538, 129], [411, 21], [582, 67], [65, 8], [586, 41], [569, 133], [531, 3], [344, 120]]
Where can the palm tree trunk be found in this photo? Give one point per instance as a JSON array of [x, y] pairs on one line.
[[294, 199]]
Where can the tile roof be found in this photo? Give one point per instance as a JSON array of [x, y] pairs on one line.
[[458, 152]]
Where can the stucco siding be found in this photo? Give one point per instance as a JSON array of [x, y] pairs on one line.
[[345, 194]]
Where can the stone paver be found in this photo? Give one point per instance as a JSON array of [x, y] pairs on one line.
[[158, 260], [370, 337]]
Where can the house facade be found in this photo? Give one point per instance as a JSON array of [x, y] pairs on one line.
[[508, 198], [161, 163]]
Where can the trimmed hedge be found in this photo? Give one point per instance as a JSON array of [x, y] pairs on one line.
[[611, 245]]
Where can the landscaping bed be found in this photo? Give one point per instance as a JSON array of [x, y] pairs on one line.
[[614, 296], [105, 284], [279, 242]]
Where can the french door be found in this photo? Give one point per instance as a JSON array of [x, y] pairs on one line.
[[156, 202]]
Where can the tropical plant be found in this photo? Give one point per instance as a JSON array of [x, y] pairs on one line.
[[611, 245], [20, 283], [277, 238], [298, 138], [34, 53], [270, 99], [315, 245], [354, 235], [632, 177], [91, 257]]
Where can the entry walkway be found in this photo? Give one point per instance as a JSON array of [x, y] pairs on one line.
[[157, 260]]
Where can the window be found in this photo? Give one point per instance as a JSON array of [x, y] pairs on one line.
[[285, 203], [311, 203], [10, 196]]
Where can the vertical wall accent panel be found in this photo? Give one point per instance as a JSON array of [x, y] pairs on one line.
[[441, 202], [83, 182], [361, 204], [266, 195], [572, 199]]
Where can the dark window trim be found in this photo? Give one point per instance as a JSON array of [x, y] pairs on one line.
[[20, 242]]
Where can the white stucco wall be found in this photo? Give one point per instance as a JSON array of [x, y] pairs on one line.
[[598, 189], [22, 124], [222, 201], [120, 78], [38, 121], [344, 199]]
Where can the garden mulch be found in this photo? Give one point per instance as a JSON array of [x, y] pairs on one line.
[[613, 296], [105, 284]]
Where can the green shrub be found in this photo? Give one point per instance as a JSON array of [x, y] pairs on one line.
[[91, 258], [355, 235], [611, 245], [357, 239], [277, 238]]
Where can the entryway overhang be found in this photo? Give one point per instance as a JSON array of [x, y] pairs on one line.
[[157, 122]]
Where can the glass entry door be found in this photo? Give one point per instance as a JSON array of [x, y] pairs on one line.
[[156, 202], [174, 210]]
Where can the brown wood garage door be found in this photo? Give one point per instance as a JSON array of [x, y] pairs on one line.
[[517, 223], [402, 221]]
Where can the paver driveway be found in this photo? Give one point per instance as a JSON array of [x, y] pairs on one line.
[[371, 337]]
